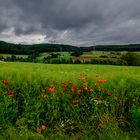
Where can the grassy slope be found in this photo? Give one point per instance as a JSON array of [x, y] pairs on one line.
[[121, 80]]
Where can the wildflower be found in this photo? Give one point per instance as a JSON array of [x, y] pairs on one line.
[[51, 89], [74, 101], [52, 85], [83, 79], [12, 94], [79, 91], [80, 74], [101, 81], [72, 90], [43, 127], [5, 82], [63, 84], [73, 87], [95, 85], [85, 88], [91, 90], [7, 91]]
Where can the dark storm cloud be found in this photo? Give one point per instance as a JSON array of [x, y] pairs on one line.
[[73, 21]]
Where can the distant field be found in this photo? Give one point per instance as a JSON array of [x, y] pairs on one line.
[[48, 101], [94, 53], [9, 55], [63, 54]]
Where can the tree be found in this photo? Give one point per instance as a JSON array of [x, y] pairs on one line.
[[133, 59]]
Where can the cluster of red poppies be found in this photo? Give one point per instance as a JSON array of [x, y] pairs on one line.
[[8, 92], [85, 85]]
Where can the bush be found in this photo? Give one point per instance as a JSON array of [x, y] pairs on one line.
[[133, 59]]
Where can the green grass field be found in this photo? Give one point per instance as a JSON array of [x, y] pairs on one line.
[[95, 53], [60, 102]]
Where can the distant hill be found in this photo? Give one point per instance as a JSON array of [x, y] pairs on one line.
[[29, 49], [11, 48]]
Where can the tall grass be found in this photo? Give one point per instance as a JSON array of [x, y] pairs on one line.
[[69, 101]]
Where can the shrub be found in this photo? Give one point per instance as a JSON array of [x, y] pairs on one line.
[[133, 59]]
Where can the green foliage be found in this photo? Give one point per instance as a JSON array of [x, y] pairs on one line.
[[76, 53], [108, 61], [133, 59]]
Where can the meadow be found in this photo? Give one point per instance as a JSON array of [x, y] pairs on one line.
[[60, 102]]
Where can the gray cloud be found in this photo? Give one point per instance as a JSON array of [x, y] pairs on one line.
[[82, 22]]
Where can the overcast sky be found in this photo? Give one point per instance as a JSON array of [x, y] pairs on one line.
[[76, 22]]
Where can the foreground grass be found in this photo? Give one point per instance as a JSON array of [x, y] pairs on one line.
[[69, 101]]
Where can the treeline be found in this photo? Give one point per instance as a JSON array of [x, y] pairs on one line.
[[31, 58], [47, 60], [30, 49], [130, 47]]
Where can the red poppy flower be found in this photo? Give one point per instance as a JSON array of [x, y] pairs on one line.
[[101, 81], [72, 90], [85, 88], [83, 79], [51, 89], [73, 87], [91, 90], [43, 127], [95, 85], [79, 91], [7, 91], [52, 85], [5, 82], [63, 84], [12, 94]]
